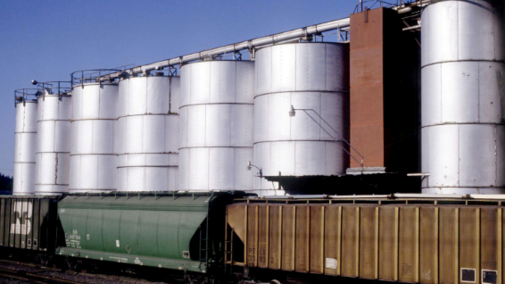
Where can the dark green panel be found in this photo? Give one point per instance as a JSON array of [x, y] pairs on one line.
[[168, 232], [43, 224], [187, 226], [16, 218], [31, 225], [94, 230], [66, 222], [111, 222], [148, 240], [9, 240], [36, 221], [128, 232], [79, 224]]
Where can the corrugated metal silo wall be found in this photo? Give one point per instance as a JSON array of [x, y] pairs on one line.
[[148, 129], [53, 148], [25, 147]]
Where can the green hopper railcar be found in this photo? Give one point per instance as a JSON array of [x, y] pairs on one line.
[[181, 231]]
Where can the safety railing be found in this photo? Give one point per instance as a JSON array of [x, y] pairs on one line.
[[26, 94], [92, 76], [59, 88]]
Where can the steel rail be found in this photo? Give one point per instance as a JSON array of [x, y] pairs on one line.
[[340, 24]]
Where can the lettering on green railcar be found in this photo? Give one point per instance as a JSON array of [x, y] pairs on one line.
[[23, 211], [74, 240]]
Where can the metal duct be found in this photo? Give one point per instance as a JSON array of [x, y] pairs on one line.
[[216, 113], [244, 45], [148, 134], [463, 131]]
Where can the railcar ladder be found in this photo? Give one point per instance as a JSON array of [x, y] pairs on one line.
[[228, 251], [203, 250]]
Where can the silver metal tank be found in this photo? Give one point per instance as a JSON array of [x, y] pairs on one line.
[[53, 147], [216, 132], [93, 158], [25, 145], [148, 125], [463, 75], [310, 76]]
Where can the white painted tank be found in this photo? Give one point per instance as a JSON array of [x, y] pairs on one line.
[[216, 133], [25, 145], [311, 76], [148, 143], [93, 158], [463, 97], [53, 149]]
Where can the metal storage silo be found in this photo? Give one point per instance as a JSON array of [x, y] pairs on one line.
[[216, 132], [53, 148], [93, 158], [463, 75], [148, 127], [25, 144], [309, 76]]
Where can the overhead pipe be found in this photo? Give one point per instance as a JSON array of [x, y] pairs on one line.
[[248, 44]]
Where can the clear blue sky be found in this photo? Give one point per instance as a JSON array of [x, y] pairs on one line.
[[47, 40]]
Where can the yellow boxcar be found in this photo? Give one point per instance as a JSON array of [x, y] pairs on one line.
[[413, 240]]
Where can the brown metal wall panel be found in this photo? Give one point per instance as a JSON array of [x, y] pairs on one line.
[[368, 266], [252, 236], [263, 238], [502, 265], [388, 243], [237, 219], [317, 225], [409, 244], [490, 240], [350, 241], [288, 237], [469, 239], [332, 239], [302, 239], [275, 237], [429, 245], [448, 245]]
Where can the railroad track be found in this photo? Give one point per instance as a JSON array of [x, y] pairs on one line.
[[33, 277]]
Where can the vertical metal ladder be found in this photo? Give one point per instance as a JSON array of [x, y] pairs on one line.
[[228, 250], [203, 247]]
